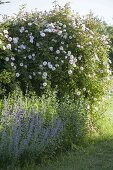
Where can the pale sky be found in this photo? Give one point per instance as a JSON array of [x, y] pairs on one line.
[[101, 8]]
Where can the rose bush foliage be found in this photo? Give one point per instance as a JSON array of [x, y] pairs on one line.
[[57, 49]]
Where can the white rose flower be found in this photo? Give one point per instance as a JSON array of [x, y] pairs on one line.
[[70, 37], [34, 74], [6, 35], [19, 50], [39, 73], [45, 74], [71, 57], [15, 67], [25, 66], [17, 74], [83, 27], [15, 40], [4, 47], [64, 30], [51, 48], [78, 93], [56, 58], [50, 66], [64, 26], [37, 44], [41, 66], [30, 77], [74, 65], [12, 64], [78, 46], [65, 36], [29, 23], [5, 31], [22, 29], [62, 61], [44, 84], [81, 68], [12, 58], [60, 24], [59, 32], [75, 59], [62, 42], [70, 72], [90, 43], [110, 61], [69, 53], [29, 56], [84, 89], [31, 39], [53, 68], [22, 46], [46, 30], [26, 30], [61, 48], [8, 46], [91, 36], [21, 64], [57, 51], [56, 65], [71, 61], [42, 34], [7, 59], [44, 77], [10, 39], [33, 55], [80, 57], [45, 63], [88, 107]]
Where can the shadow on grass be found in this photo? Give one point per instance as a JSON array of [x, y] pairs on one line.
[[96, 156]]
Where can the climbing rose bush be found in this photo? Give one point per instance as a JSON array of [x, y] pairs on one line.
[[57, 49]]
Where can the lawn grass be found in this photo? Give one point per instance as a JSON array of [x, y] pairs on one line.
[[97, 156]]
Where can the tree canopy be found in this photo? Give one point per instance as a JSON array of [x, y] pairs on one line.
[[3, 2]]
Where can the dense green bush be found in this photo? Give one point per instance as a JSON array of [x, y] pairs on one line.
[[57, 48]]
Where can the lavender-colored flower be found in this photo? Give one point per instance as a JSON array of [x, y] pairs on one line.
[[25, 131]]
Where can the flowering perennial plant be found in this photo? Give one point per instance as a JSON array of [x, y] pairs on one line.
[[25, 133]]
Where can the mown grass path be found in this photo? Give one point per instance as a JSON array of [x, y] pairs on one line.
[[97, 156]]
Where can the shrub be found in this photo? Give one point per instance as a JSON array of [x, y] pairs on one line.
[[74, 115], [60, 49]]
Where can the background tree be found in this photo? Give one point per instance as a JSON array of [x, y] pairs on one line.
[[2, 2]]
